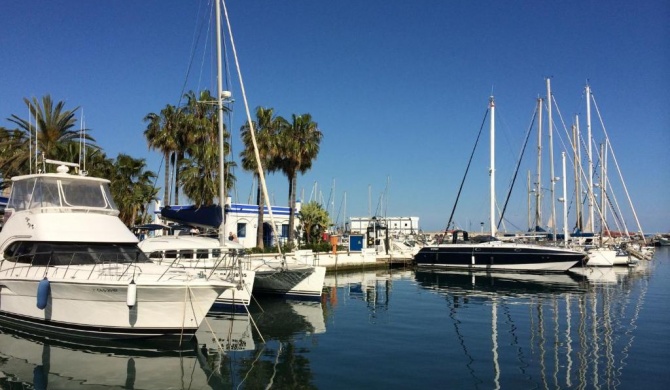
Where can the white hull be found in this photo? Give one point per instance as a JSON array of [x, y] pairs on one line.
[[70, 269], [292, 280], [240, 295], [97, 307], [600, 257], [223, 264]]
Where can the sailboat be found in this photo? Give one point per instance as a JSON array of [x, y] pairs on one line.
[[488, 252], [276, 275]]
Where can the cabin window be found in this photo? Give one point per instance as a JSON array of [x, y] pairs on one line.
[[68, 253], [216, 253], [202, 254], [83, 194], [171, 254], [22, 193], [241, 230], [46, 194]]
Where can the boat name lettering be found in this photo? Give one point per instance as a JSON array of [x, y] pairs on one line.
[[106, 290]]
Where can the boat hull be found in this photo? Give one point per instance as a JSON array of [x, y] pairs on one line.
[[292, 281], [238, 297], [99, 311], [511, 258]]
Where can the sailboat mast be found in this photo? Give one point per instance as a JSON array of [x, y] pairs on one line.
[[538, 190], [590, 157], [603, 189], [528, 189], [222, 184], [565, 204], [551, 159], [492, 169], [578, 169]]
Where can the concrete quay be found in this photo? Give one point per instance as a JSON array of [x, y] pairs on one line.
[[344, 260]]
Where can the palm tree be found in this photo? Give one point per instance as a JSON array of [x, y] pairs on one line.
[[199, 162], [14, 154], [161, 134], [54, 128], [266, 128], [131, 187], [298, 146]]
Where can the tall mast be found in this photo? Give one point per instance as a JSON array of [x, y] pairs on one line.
[[551, 159], [578, 168], [492, 172], [219, 96], [565, 204], [590, 157], [603, 189], [528, 189], [538, 190]]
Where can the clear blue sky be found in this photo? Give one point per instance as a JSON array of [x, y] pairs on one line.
[[399, 88]]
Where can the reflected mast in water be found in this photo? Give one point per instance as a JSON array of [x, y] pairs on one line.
[[605, 316]]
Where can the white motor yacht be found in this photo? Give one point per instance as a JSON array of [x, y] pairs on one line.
[[70, 268]]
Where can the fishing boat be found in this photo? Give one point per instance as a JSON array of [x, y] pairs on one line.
[[490, 253], [70, 268]]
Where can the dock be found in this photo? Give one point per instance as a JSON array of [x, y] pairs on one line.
[[365, 259]]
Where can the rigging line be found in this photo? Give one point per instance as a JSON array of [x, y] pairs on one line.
[[259, 164], [518, 164], [512, 223], [616, 164], [460, 189], [196, 38], [205, 51]]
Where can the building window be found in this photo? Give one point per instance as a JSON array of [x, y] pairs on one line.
[[284, 230], [241, 230]]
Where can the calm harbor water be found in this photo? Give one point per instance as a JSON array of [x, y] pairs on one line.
[[399, 329]]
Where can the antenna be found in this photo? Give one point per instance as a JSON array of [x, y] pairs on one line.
[[82, 142], [30, 141]]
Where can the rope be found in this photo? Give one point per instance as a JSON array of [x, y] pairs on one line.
[[516, 170], [251, 318], [453, 210]]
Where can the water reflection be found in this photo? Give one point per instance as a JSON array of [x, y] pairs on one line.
[[380, 329], [265, 346], [233, 350], [27, 362], [546, 331], [372, 287]]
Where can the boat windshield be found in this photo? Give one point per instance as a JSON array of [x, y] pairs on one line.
[[73, 253], [61, 192]]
